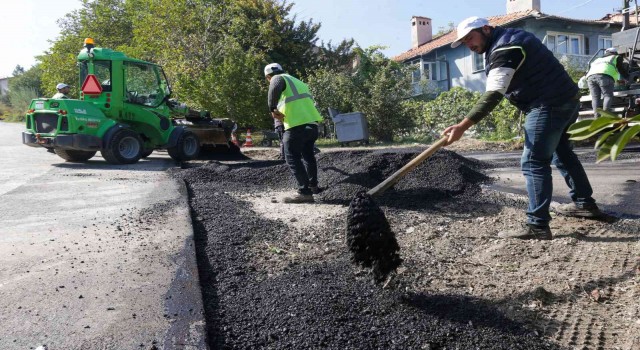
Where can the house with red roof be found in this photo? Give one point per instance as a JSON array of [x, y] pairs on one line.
[[440, 67]]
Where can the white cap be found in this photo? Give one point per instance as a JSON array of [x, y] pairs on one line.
[[272, 68], [611, 50], [61, 86], [466, 26]]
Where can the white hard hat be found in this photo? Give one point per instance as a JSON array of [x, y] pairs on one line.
[[466, 26], [611, 51], [61, 86], [272, 68]]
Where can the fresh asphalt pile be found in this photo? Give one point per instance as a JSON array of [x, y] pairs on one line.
[[331, 303]]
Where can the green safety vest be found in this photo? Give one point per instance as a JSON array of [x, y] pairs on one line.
[[605, 65], [297, 104]]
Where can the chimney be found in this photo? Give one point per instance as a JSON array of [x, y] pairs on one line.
[[420, 31], [522, 5]]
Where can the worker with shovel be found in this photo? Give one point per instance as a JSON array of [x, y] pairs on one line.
[[521, 68], [290, 102]]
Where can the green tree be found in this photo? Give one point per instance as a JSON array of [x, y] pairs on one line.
[[377, 87], [444, 30], [107, 21], [19, 70], [212, 51], [30, 80]]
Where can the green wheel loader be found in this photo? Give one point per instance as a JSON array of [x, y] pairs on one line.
[[125, 112]]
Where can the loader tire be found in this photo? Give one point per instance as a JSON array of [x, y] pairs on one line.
[[74, 155], [146, 153], [187, 147], [233, 148], [125, 147]]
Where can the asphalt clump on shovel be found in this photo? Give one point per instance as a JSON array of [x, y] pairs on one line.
[[370, 239]]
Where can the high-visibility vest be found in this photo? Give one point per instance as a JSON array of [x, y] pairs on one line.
[[605, 65], [297, 104]]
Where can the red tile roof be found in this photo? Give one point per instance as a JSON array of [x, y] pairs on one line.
[[501, 20]]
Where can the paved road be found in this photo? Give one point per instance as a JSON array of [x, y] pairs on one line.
[[616, 185], [94, 256]]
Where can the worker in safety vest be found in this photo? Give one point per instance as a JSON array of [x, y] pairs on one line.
[[63, 91], [290, 101], [603, 74]]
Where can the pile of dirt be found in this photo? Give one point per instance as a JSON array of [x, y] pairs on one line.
[[264, 288]]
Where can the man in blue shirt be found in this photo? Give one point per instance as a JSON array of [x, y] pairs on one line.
[[522, 69]]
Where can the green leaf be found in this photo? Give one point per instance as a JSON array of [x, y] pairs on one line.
[[635, 119], [622, 140], [580, 126], [585, 135], [604, 122], [605, 150], [603, 138], [602, 155], [604, 113]]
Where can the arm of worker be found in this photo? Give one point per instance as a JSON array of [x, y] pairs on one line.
[[276, 87], [503, 65]]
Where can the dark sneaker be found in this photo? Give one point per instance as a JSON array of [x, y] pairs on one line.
[[585, 211], [299, 198], [316, 189], [528, 231]]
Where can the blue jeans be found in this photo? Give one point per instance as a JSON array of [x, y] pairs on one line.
[[298, 152], [546, 142]]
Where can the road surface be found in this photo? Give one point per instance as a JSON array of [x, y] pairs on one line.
[[94, 256]]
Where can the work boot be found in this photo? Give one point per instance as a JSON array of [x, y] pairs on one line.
[[316, 189], [299, 198], [589, 210], [528, 231]]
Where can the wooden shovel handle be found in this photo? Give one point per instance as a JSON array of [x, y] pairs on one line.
[[395, 177]]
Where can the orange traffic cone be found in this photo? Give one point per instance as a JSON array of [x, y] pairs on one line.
[[248, 142], [234, 140]]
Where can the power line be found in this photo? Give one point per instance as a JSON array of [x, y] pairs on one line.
[[576, 6]]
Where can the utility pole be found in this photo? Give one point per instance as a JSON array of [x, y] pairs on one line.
[[625, 15]]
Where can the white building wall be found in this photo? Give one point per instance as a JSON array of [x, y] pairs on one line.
[[4, 85]]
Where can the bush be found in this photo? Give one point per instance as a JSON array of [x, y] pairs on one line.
[[451, 106], [20, 99]]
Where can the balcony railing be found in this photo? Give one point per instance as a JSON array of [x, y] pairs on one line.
[[575, 61], [430, 87]]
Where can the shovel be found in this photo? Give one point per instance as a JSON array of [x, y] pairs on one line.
[[395, 177]]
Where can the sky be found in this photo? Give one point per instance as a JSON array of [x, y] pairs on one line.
[[28, 26]]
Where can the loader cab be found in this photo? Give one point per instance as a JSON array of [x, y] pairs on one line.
[[144, 84], [102, 71], [125, 82]]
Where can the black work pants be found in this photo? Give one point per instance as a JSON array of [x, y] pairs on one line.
[[298, 151], [280, 132]]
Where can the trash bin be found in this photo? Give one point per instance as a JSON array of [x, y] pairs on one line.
[[351, 127]]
